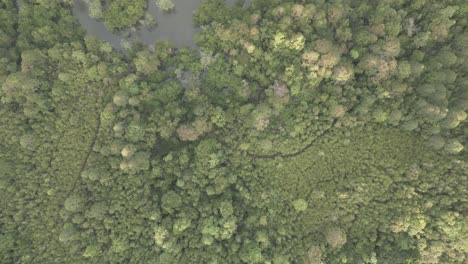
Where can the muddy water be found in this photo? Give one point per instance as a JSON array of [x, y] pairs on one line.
[[175, 27]]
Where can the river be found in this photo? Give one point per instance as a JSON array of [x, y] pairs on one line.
[[175, 26]]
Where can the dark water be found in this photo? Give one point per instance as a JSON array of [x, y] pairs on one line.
[[175, 27]]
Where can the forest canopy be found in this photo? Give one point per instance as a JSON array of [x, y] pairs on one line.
[[325, 131]]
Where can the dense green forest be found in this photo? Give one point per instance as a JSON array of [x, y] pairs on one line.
[[313, 131]]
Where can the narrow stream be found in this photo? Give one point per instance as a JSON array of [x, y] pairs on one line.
[[175, 27]]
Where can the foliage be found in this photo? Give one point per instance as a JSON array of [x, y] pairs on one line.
[[165, 5], [121, 14], [304, 132]]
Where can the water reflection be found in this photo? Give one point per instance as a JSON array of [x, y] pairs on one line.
[[175, 27], [94, 27]]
